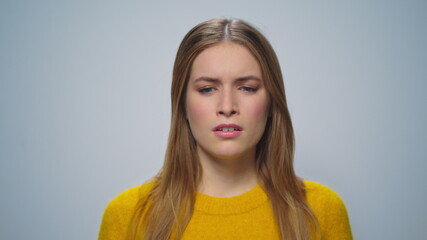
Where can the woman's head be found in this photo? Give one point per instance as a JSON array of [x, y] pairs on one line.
[[216, 32], [226, 103]]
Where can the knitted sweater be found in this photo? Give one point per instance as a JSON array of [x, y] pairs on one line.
[[247, 216]]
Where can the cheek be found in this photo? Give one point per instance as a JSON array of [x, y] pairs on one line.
[[196, 112], [259, 109]]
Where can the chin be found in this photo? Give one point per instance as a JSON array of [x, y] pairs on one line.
[[230, 153], [228, 157], [227, 151]]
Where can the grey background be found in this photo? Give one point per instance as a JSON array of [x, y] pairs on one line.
[[85, 106]]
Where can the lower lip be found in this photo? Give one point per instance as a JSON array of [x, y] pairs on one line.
[[227, 134]]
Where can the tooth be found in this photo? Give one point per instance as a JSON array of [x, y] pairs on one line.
[[228, 129]]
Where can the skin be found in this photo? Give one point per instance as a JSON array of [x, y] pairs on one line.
[[226, 86]]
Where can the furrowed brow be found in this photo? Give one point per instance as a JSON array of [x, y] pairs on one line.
[[247, 78], [206, 79]]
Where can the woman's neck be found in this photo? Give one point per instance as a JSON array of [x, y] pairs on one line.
[[227, 177]]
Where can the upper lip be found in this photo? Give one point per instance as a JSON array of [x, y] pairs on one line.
[[228, 125]]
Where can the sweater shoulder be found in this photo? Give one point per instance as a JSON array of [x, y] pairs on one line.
[[120, 210], [131, 196], [329, 209], [321, 198], [319, 192]]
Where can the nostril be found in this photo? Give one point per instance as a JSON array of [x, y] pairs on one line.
[[227, 112]]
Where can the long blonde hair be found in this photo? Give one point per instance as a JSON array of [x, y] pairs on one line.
[[166, 211]]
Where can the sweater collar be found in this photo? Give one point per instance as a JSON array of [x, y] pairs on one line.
[[231, 205]]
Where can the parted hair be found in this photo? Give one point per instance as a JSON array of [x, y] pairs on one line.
[[166, 211]]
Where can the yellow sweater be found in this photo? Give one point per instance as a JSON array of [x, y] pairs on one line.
[[247, 216]]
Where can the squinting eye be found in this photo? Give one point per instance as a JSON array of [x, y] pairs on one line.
[[206, 90], [249, 89]]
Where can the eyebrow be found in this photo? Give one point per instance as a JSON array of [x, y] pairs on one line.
[[250, 77], [207, 79], [240, 79]]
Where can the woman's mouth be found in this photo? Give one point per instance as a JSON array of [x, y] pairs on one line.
[[228, 130]]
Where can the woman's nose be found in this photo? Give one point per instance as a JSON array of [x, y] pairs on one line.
[[227, 104]]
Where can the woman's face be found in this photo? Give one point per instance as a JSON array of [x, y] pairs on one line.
[[226, 102]]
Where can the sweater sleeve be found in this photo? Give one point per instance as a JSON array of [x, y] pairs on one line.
[[330, 211]]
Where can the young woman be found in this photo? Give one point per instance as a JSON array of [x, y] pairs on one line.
[[228, 171]]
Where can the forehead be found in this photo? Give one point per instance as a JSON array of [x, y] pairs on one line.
[[225, 60]]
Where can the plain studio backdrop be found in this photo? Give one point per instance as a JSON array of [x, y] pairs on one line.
[[85, 105]]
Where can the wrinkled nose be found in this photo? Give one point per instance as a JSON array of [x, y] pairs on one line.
[[227, 105]]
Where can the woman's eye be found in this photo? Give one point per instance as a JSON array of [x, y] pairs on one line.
[[206, 90], [249, 89]]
